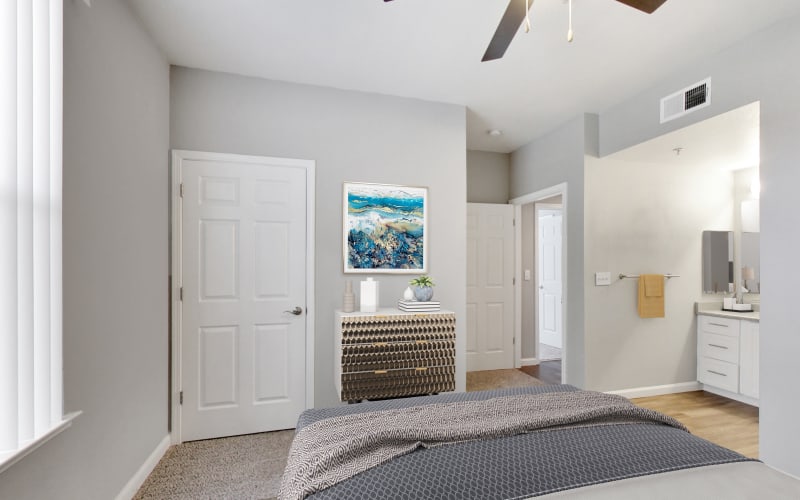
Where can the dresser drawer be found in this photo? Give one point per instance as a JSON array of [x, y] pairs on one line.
[[720, 347], [721, 326], [718, 374]]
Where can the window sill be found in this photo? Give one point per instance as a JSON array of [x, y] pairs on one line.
[[7, 459]]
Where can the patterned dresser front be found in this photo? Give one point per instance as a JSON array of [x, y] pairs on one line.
[[392, 354]]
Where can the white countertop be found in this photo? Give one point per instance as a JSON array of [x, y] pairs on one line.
[[715, 309]]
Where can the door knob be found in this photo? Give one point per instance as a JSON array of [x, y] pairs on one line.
[[541, 287], [297, 311]]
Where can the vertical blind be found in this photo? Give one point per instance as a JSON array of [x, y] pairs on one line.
[[30, 221]]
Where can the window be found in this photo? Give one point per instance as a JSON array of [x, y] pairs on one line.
[[31, 407]]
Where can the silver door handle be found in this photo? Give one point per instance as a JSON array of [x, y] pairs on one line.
[[541, 287], [297, 311]]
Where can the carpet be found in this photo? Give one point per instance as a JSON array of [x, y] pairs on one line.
[[499, 379], [238, 467], [250, 467]]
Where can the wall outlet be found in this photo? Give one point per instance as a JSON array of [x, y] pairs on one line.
[[602, 278]]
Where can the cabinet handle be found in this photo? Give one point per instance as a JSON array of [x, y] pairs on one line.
[[718, 346], [719, 324], [717, 373]]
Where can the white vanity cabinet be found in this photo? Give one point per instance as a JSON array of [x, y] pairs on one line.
[[727, 357], [748, 358]]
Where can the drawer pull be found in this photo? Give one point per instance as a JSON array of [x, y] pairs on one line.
[[424, 369], [381, 372], [718, 373], [718, 346], [719, 324], [380, 344]]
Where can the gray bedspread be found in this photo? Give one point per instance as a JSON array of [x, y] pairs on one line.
[[512, 465]]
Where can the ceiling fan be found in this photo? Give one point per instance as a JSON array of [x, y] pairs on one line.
[[516, 13]]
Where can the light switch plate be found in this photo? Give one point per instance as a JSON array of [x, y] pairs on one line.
[[602, 279], [527, 275]]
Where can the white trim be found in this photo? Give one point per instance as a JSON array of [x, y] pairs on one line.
[[138, 479], [176, 248], [518, 360], [542, 194], [658, 390], [7, 460]]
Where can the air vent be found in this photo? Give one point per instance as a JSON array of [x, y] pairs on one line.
[[685, 101]]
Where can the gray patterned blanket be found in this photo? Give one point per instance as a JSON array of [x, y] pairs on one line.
[[335, 449]]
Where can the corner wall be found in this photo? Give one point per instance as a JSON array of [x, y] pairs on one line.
[[353, 136], [556, 158], [758, 68], [116, 139]]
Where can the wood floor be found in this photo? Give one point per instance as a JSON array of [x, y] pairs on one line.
[[720, 420], [548, 372]]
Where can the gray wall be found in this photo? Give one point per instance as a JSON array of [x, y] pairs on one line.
[[352, 136], [758, 68], [648, 218], [116, 138], [487, 177], [553, 159], [527, 289]]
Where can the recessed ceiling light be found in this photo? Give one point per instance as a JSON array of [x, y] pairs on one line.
[[494, 132]]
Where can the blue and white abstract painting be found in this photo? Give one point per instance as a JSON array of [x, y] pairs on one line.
[[384, 228]]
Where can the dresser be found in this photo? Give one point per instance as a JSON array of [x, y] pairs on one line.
[[727, 356], [391, 354]]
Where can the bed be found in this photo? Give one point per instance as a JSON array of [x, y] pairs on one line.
[[554, 441]]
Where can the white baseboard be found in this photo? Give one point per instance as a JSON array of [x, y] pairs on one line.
[[147, 467], [528, 361], [658, 390]]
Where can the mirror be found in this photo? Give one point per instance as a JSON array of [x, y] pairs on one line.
[[717, 261], [751, 262]]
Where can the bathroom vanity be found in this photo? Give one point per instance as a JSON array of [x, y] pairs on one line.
[[727, 353]]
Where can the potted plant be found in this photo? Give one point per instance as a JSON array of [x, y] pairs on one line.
[[423, 288]]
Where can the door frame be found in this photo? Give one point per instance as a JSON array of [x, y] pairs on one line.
[[538, 208], [176, 278], [542, 194]]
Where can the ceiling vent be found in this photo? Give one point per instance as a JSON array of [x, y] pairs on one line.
[[685, 101]]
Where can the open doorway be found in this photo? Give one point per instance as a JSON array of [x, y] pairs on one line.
[[541, 310]]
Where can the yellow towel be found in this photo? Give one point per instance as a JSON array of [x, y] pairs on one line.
[[651, 296]]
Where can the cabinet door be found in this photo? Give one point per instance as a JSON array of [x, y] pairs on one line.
[[748, 359]]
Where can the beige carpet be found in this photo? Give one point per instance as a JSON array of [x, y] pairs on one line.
[[239, 467], [250, 467], [499, 379]]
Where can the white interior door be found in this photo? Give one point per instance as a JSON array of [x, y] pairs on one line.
[[549, 277], [243, 313], [490, 286]]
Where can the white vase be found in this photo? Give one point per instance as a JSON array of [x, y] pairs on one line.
[[349, 302], [408, 294]]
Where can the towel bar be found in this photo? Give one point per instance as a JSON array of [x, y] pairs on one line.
[[668, 276]]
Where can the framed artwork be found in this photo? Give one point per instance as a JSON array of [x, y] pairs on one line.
[[385, 228]]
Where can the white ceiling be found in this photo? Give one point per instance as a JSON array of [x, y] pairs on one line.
[[431, 50]]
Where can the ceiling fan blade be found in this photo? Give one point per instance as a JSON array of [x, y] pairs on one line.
[[508, 27], [648, 6]]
